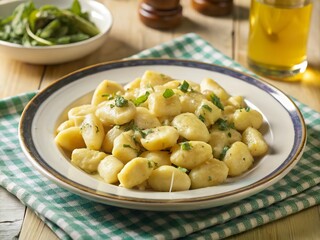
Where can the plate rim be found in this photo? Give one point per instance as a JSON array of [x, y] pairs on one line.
[[63, 181]]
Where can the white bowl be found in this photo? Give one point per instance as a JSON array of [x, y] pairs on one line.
[[284, 131], [98, 13]]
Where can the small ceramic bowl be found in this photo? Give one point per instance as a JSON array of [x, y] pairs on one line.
[[98, 14]]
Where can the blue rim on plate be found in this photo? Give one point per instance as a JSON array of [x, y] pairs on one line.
[[32, 152]]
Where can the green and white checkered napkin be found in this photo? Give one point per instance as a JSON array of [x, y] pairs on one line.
[[74, 217]]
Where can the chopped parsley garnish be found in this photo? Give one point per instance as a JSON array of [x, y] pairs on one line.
[[223, 153], [184, 86], [216, 101], [247, 109], [144, 133], [129, 146], [150, 164], [108, 96], [224, 125], [121, 101], [207, 107], [141, 99], [209, 178], [182, 169], [129, 126], [186, 146], [202, 118], [85, 126], [168, 93]]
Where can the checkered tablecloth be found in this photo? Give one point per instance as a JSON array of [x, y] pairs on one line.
[[73, 217]]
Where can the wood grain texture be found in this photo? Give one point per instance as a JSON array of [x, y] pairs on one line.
[[129, 36], [11, 215]]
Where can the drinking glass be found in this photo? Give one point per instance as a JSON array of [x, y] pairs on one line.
[[278, 36]]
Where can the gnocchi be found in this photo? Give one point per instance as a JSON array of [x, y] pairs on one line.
[[163, 134]]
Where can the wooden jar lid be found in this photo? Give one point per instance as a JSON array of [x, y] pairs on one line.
[[213, 7], [161, 17]]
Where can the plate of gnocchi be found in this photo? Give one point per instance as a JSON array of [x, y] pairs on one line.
[[162, 134]]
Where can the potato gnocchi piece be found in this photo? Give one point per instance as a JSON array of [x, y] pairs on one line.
[[227, 113], [255, 141], [237, 101], [109, 168], [135, 84], [162, 105], [160, 138], [125, 148], [107, 144], [92, 132], [135, 172], [210, 173], [219, 139], [70, 138], [244, 118], [169, 179], [190, 101], [144, 119], [66, 124], [80, 111], [104, 90], [174, 84], [153, 78], [159, 158], [238, 159], [191, 127], [190, 154], [116, 112], [209, 84], [86, 159], [208, 113]]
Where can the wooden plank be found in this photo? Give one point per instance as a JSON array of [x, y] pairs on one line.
[[39, 228], [11, 215], [18, 77]]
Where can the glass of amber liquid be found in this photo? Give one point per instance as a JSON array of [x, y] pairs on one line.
[[278, 36]]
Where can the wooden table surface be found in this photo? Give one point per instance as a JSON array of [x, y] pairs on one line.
[[129, 36]]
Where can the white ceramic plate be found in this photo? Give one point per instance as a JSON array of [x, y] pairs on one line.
[[284, 131], [98, 13]]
